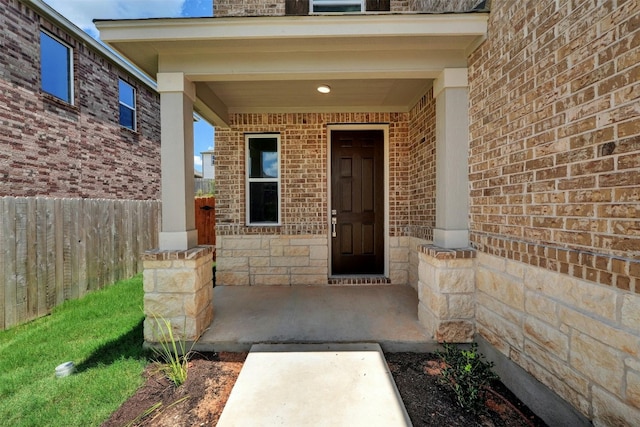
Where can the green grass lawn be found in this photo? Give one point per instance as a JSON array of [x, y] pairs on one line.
[[101, 333]]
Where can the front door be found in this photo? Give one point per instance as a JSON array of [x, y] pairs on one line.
[[357, 202]]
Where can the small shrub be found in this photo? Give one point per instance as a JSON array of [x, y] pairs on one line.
[[175, 358], [467, 375]]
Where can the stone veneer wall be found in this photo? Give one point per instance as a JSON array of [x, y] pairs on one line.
[[554, 203], [304, 196], [178, 288]]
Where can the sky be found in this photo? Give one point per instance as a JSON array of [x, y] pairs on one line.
[[83, 12]]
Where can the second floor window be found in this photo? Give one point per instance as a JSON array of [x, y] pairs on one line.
[[56, 67], [127, 99], [324, 6]]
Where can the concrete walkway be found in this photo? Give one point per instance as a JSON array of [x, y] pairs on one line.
[[315, 385], [247, 315]]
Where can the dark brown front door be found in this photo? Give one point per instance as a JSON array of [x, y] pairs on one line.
[[357, 202]]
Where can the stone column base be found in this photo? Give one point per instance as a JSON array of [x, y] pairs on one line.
[[446, 293], [178, 287]]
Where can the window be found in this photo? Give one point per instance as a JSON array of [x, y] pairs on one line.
[[127, 105], [213, 160], [323, 6], [263, 179], [56, 67]]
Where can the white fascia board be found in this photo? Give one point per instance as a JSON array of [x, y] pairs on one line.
[[275, 27], [54, 16]]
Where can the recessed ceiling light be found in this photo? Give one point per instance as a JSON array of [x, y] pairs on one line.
[[324, 89]]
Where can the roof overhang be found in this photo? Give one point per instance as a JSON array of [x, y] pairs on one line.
[[376, 63]]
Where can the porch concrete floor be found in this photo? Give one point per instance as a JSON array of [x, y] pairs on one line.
[[247, 315]]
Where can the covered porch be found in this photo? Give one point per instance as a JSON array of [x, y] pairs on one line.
[[249, 75], [246, 315]]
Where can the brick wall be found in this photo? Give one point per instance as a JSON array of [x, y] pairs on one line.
[[555, 131], [303, 169], [554, 201], [304, 187], [50, 148]]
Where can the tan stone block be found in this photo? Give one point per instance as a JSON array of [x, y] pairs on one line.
[[558, 385], [194, 303], [609, 410], [501, 286], [258, 271], [271, 279], [541, 307], [170, 281], [163, 305], [455, 280], [427, 273], [319, 263], [290, 261], [437, 303], [319, 271], [232, 278], [510, 314], [296, 251], [547, 336], [259, 262], [276, 251], [630, 312], [319, 252], [497, 341], [242, 243], [426, 319], [557, 369], [148, 280], [232, 263], [507, 331], [249, 253], [609, 335], [597, 361], [461, 306], [632, 363], [306, 241], [632, 391], [490, 261], [458, 263], [454, 331], [515, 269], [399, 277], [398, 255], [586, 296], [149, 264]]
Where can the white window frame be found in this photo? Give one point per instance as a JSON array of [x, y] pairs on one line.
[[130, 107], [361, 3], [250, 180], [71, 80]]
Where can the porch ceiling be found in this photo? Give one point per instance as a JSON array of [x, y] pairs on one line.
[[259, 64]]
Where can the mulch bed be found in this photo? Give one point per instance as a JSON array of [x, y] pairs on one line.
[[200, 400]]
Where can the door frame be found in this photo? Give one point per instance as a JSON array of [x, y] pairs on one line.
[[360, 126]]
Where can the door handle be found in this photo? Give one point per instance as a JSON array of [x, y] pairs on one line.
[[334, 221]]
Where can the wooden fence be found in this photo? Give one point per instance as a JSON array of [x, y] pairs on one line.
[[206, 220], [204, 187], [52, 250]]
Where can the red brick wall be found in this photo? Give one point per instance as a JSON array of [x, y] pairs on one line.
[[555, 138], [304, 169], [50, 148]]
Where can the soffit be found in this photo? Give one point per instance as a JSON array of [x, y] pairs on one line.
[[259, 64]]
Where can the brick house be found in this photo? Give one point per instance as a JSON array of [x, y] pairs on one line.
[[77, 121], [488, 159], [79, 163]]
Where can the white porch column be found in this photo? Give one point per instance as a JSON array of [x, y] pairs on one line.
[[451, 92], [177, 95]]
